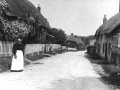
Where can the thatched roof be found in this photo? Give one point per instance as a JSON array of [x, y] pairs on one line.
[[77, 40], [20, 8], [109, 25], [98, 32]]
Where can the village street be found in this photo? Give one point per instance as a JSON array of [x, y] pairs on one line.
[[67, 71]]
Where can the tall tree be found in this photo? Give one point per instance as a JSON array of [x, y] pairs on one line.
[[59, 36]]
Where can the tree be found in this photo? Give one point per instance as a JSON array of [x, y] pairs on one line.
[[87, 39], [15, 29], [59, 36]]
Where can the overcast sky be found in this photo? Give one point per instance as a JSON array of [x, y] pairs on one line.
[[81, 17]]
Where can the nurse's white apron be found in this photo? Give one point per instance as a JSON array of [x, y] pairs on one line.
[[17, 63]]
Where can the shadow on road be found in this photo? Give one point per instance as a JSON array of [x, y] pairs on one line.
[[72, 51], [78, 83], [112, 71], [95, 59], [38, 63]]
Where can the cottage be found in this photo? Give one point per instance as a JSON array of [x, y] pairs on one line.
[[107, 39], [43, 27], [20, 18], [74, 42]]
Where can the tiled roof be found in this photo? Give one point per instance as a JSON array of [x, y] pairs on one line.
[[20, 7]]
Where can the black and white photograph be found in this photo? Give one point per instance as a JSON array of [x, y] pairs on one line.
[[59, 44]]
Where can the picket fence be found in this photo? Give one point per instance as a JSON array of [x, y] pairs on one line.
[[6, 48]]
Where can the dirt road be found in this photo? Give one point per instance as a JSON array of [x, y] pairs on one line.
[[67, 71]]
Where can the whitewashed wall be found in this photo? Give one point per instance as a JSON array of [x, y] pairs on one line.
[[55, 47], [6, 48], [31, 48]]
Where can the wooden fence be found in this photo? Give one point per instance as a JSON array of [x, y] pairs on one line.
[[6, 48]]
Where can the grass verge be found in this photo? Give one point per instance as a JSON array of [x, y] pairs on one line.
[[35, 56], [110, 73], [5, 63]]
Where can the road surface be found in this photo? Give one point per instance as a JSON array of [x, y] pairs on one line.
[[67, 71]]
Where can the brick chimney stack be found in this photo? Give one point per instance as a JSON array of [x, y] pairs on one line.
[[104, 19], [39, 8]]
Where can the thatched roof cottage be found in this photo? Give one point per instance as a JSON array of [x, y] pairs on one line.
[[74, 42], [107, 39], [20, 18]]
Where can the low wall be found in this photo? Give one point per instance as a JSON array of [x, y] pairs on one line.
[[6, 48], [31, 48], [44, 48]]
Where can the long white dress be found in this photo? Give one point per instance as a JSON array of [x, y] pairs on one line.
[[17, 63]]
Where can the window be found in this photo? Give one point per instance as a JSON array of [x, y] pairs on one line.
[[109, 49]]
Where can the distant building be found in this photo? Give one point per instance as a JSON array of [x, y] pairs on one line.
[[74, 42]]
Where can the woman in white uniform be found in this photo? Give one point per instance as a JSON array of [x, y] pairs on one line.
[[17, 59]]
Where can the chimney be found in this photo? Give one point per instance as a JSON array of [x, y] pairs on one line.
[[39, 8], [104, 19]]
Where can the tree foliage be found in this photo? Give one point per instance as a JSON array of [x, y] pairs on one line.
[[59, 36], [15, 29], [87, 39]]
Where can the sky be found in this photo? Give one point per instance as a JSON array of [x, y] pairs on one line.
[[80, 17]]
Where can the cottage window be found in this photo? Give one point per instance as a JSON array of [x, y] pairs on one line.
[[115, 39], [109, 50]]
